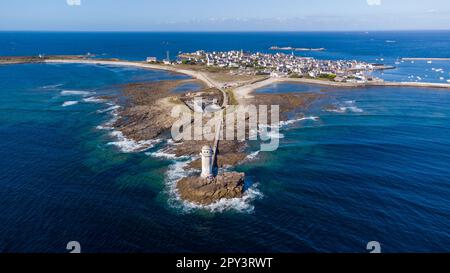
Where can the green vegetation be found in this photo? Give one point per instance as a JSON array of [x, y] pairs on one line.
[[188, 62], [327, 76], [231, 98], [295, 76]]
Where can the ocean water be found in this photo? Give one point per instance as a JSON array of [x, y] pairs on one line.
[[368, 164], [373, 47]]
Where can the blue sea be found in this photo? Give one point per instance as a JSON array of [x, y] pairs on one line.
[[368, 164]]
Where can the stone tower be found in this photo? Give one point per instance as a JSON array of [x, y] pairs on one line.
[[207, 163]]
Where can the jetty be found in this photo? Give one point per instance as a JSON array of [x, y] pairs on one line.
[[210, 187], [425, 59]]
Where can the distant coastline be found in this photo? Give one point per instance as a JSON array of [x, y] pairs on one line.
[[239, 90], [289, 48], [425, 59], [244, 92]]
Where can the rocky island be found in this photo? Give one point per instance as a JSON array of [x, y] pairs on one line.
[[206, 191]]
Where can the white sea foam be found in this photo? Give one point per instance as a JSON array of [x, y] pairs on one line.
[[355, 109], [103, 127], [94, 100], [253, 155], [52, 86], [268, 131], [76, 93], [243, 204], [115, 115], [346, 107], [338, 110], [129, 146], [272, 135], [109, 124], [264, 132], [164, 154], [109, 109], [173, 143], [289, 122], [69, 103]]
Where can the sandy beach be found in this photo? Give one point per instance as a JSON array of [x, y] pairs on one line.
[[195, 74]]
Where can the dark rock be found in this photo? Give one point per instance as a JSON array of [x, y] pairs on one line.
[[206, 191]]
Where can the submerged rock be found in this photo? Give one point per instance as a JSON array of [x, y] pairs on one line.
[[207, 191]]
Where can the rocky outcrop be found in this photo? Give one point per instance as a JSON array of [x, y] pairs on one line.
[[146, 109], [207, 191]]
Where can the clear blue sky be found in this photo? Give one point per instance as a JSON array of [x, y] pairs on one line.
[[223, 15]]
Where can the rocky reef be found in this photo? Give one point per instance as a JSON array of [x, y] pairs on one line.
[[204, 191]]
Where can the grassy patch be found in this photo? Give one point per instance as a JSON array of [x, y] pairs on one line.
[[327, 76], [231, 97]]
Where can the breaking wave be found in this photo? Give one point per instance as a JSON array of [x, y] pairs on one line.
[[109, 109], [52, 86], [113, 111], [162, 153], [346, 107], [289, 122], [129, 146], [69, 103], [94, 100], [253, 155], [124, 144], [76, 93], [243, 204], [265, 133]]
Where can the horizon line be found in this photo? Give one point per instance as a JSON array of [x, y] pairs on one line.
[[226, 31]]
